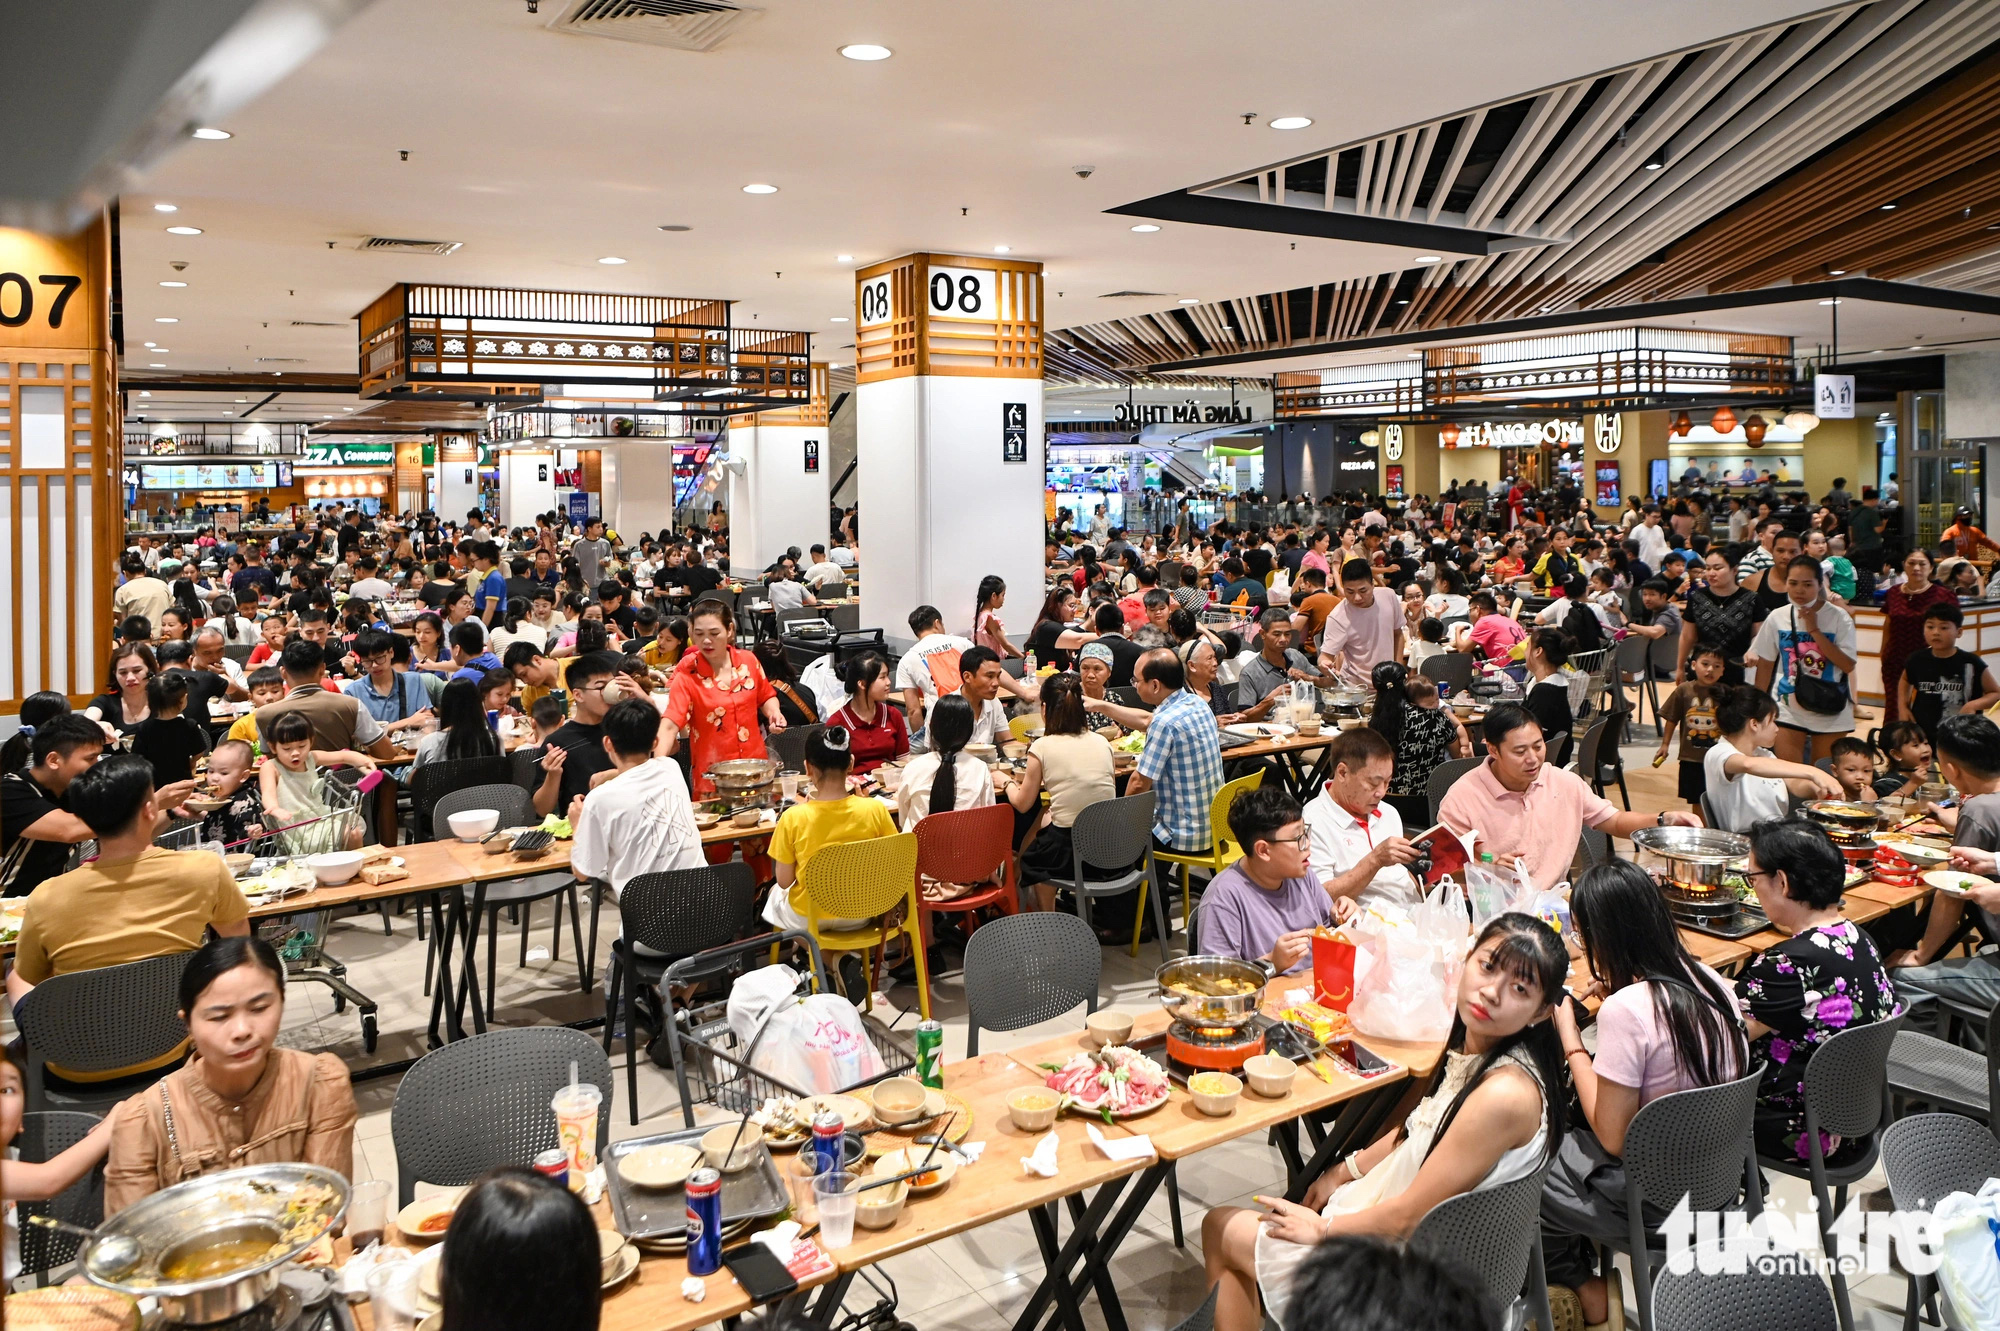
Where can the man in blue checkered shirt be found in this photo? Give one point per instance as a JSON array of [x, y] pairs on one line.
[[1182, 760]]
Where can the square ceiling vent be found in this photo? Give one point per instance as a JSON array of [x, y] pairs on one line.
[[685, 25]]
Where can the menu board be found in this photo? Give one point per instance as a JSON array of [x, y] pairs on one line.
[[208, 475]]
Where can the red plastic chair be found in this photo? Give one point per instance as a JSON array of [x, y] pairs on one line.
[[968, 846]]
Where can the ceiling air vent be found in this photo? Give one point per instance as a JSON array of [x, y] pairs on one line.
[[409, 246], [685, 25], [281, 360], [1137, 295], [311, 323]]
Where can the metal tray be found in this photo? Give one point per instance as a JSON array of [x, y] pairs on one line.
[[661, 1213], [1745, 920]]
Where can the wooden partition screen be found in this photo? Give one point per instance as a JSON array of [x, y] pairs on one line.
[[61, 512]]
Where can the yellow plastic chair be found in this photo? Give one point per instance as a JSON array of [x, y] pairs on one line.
[[1022, 724], [1222, 851], [866, 880]]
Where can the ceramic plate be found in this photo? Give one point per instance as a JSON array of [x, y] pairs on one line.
[[664, 1166], [410, 1220], [1261, 730], [623, 1269], [853, 1110], [1910, 848], [1954, 882]]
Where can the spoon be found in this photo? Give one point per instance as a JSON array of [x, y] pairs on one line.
[[111, 1255]]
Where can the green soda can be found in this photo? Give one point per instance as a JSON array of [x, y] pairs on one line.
[[930, 1053]]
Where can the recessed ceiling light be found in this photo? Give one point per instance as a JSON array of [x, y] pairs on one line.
[[156, 365], [1145, 226], [843, 258], [163, 351], [149, 344], [1189, 300], [173, 284], [1002, 249], [675, 226], [165, 319], [760, 189], [206, 132], [1430, 258], [144, 393], [866, 51], [165, 208], [1416, 355], [242, 399], [183, 230], [840, 318], [611, 258], [1888, 207], [1291, 122], [347, 409], [1829, 302], [1402, 302], [1837, 272]]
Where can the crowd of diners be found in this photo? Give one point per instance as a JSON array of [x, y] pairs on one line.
[[397, 642]]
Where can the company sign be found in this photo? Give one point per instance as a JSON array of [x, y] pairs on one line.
[[1521, 434], [1182, 413], [1355, 467], [332, 453]]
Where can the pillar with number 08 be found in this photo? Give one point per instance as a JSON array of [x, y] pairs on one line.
[[949, 440]]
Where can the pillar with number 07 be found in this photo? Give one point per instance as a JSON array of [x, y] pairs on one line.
[[949, 439]]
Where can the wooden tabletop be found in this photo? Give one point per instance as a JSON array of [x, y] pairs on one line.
[[997, 1186]]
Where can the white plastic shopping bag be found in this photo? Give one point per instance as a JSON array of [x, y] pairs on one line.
[[1406, 966], [816, 1043], [1968, 1230]]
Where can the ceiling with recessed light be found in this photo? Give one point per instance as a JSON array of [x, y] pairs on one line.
[[1863, 138], [541, 153]]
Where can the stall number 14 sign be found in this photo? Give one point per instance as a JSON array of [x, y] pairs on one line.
[[1013, 432]]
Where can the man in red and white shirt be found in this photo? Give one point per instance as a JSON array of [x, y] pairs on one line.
[[1357, 848]]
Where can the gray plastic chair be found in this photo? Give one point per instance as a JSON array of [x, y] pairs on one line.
[[677, 913], [1943, 1075], [1496, 1235], [1927, 1157], [1028, 968], [1780, 1301], [433, 781], [1452, 668], [1595, 847], [1202, 1318], [97, 1020], [1679, 1146], [1847, 1093], [1593, 766], [1634, 669], [788, 746], [517, 809], [1441, 778], [484, 1101], [43, 1137], [1115, 834]]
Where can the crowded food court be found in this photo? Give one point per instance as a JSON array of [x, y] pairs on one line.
[[1430, 760]]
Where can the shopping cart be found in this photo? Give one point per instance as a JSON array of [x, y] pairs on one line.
[[300, 940], [710, 1064]]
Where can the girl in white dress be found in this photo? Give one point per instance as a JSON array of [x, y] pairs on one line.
[[1487, 1121]]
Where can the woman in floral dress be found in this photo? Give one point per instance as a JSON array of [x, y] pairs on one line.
[[1825, 978], [716, 697]]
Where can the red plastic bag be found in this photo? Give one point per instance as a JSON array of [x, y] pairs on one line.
[[1333, 971]]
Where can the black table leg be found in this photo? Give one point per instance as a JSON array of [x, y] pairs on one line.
[[827, 1306], [1070, 1253], [447, 918], [1098, 1253], [468, 980], [1044, 1221]]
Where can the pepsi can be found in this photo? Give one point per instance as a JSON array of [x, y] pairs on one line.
[[829, 1140], [704, 1222]]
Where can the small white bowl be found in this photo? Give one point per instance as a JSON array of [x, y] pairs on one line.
[[335, 866], [1107, 1028], [898, 1100], [473, 823], [1270, 1075], [715, 1142]]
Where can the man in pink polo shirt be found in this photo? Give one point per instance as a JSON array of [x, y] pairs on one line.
[[1522, 807], [1493, 633]]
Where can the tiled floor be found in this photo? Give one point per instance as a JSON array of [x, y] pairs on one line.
[[975, 1282]]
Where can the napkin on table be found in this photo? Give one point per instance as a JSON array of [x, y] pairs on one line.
[[1043, 1161], [1126, 1148]]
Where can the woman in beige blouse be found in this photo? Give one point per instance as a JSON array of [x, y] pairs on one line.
[[238, 1100]]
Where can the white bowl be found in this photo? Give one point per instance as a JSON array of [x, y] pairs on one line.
[[335, 866], [473, 823]]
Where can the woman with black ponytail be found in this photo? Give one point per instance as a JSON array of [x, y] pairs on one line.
[[1422, 733], [827, 814], [1492, 1116], [1668, 1023], [943, 778]]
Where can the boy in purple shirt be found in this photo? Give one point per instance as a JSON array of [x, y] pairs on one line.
[[1265, 906]]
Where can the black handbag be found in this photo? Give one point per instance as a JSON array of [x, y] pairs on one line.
[[1814, 694]]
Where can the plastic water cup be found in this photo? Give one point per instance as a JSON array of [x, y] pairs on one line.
[[836, 1208], [576, 1109], [392, 1296], [788, 784], [799, 1171], [367, 1212]]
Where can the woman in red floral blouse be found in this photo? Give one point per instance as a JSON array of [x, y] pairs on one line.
[[716, 697]]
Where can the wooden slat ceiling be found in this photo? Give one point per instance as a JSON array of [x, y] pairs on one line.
[[1759, 159]]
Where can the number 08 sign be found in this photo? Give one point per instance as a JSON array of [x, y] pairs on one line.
[[962, 293]]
